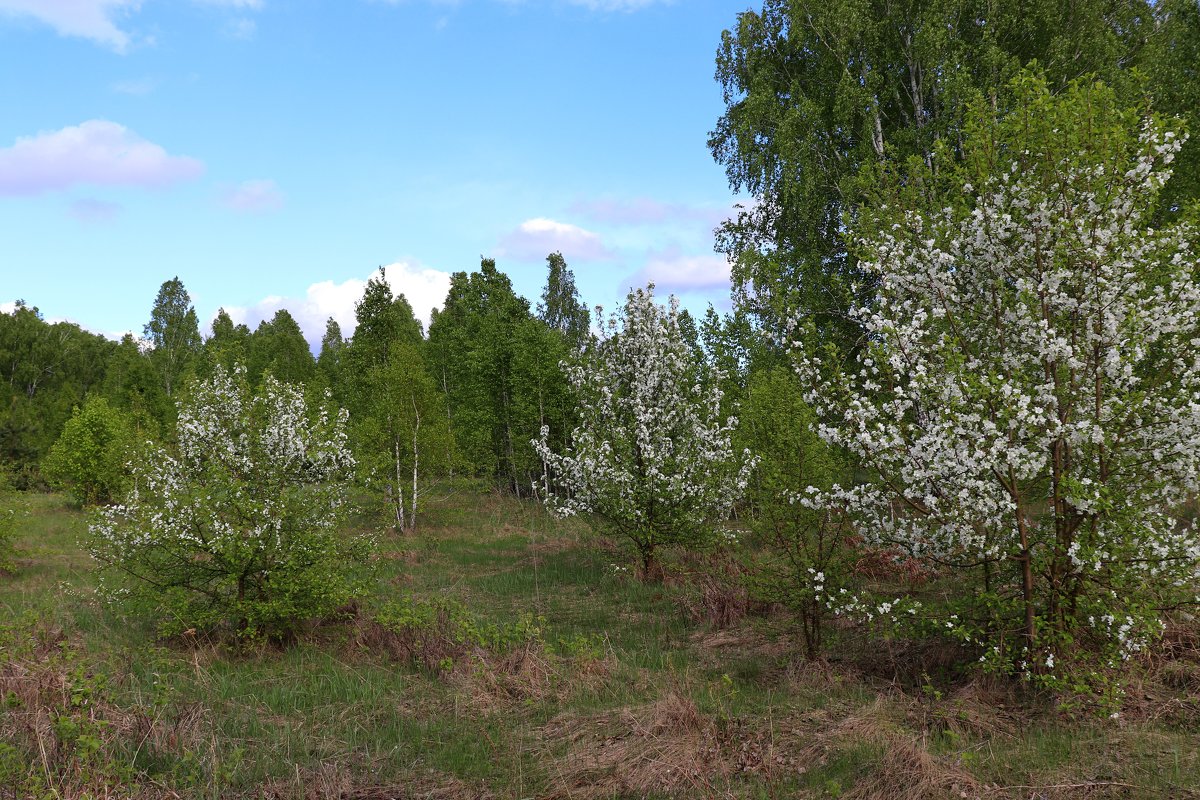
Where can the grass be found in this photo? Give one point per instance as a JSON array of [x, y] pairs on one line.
[[622, 693]]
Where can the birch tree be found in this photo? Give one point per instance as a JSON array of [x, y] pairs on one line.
[[399, 427]]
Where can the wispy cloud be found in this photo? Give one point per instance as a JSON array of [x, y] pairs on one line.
[[89, 209], [618, 5], [537, 238], [88, 19], [242, 28], [423, 287], [97, 152], [646, 211], [594, 5], [101, 20], [137, 86], [254, 197], [672, 270], [250, 4]]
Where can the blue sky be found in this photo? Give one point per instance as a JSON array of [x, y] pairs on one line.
[[276, 152]]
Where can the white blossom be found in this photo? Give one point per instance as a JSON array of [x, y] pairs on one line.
[[1032, 364], [651, 455]]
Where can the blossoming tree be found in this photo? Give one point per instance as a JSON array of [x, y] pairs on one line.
[[651, 457], [1028, 396], [239, 525]]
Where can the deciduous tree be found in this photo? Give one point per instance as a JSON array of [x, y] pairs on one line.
[[1028, 397], [174, 335], [651, 458]]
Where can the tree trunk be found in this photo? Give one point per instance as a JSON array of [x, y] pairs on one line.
[[399, 498], [412, 514], [1027, 580], [652, 571], [541, 426]]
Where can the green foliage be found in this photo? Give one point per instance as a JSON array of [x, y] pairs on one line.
[[279, 348], [174, 335], [400, 428], [8, 534], [815, 92], [797, 555], [228, 346], [329, 362], [89, 458], [497, 368], [45, 371], [444, 629], [131, 383], [239, 524], [560, 307], [401, 433]]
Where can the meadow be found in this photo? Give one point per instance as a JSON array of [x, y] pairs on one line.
[[508, 654]]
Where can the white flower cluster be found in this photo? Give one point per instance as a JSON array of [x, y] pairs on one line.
[[256, 484], [1032, 369], [651, 453]]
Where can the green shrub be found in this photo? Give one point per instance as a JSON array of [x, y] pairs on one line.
[[8, 533], [89, 458], [437, 633]]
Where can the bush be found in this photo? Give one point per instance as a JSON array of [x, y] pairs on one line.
[[89, 458], [797, 555], [7, 534], [240, 525]]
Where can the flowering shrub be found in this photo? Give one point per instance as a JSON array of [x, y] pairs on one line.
[[651, 457], [1028, 397], [240, 525]]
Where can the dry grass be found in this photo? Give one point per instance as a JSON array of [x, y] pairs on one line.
[[667, 747], [909, 772], [330, 781], [67, 735]]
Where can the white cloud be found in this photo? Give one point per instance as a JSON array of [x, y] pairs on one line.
[[95, 152], [99, 20], [673, 271], [9, 307], [537, 238], [424, 288], [88, 19], [254, 197]]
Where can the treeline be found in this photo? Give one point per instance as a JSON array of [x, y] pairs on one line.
[[466, 397]]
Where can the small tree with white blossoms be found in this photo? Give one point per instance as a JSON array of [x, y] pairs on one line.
[[651, 456], [240, 524], [1028, 396]]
